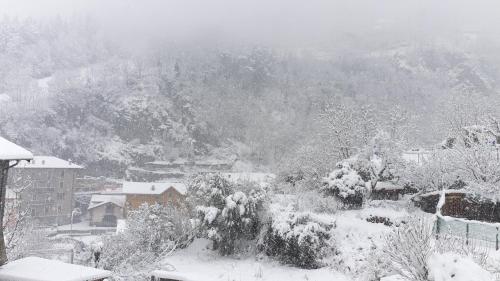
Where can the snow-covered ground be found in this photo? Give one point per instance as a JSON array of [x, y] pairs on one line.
[[83, 226], [355, 237], [201, 263]]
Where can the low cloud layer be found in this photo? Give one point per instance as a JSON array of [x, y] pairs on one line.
[[277, 22]]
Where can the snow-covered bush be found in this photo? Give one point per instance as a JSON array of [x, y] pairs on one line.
[[409, 248], [299, 239], [347, 185], [225, 214], [453, 267], [152, 231]]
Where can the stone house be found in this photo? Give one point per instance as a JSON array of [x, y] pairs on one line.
[[106, 209], [46, 188], [163, 193]]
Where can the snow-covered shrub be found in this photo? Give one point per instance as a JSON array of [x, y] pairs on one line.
[[347, 185], [453, 267], [409, 248], [375, 267], [299, 239], [225, 214], [416, 255], [152, 231], [448, 242]]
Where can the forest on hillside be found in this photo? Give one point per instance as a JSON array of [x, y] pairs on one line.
[[68, 89]]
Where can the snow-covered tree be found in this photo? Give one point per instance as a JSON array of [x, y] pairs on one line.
[[347, 126], [227, 215]]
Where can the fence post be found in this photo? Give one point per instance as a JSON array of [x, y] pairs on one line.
[[496, 240], [467, 234], [437, 227]]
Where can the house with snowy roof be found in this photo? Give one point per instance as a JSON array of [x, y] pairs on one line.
[[39, 269], [163, 193], [106, 209], [47, 188]]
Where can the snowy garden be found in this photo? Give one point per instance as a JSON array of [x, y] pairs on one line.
[[303, 227]]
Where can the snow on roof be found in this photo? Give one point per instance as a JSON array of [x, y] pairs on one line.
[[49, 162], [152, 188], [101, 199], [171, 275], [387, 185], [38, 269], [11, 151], [446, 191]]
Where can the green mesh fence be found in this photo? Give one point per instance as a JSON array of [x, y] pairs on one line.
[[481, 233]]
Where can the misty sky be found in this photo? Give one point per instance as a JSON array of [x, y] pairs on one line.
[[274, 21]]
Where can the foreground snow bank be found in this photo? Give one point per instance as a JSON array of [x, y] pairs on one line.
[[453, 267], [204, 264]]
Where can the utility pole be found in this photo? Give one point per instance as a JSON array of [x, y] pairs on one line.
[[10, 156], [4, 168]]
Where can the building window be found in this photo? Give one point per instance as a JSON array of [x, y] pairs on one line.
[[47, 210], [33, 212], [61, 185], [59, 209], [60, 196], [62, 174]]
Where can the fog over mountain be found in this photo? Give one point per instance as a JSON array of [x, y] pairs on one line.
[[258, 73]]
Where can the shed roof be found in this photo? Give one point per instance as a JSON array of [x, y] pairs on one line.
[[12, 151], [38, 269], [387, 185], [48, 162], [152, 188], [101, 199]]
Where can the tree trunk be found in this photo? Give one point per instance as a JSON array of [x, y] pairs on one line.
[[4, 167]]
